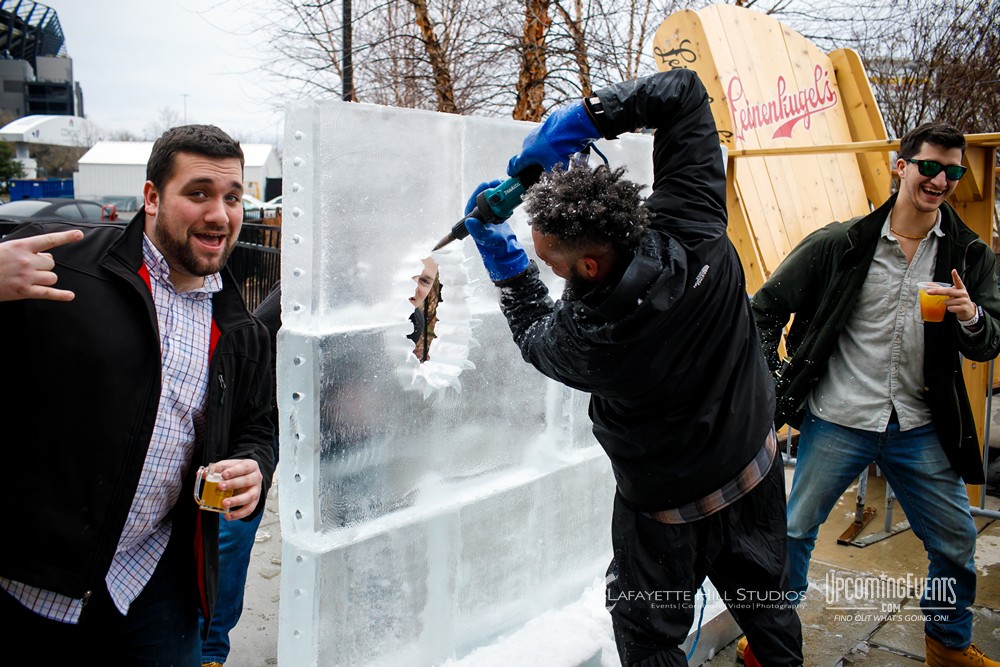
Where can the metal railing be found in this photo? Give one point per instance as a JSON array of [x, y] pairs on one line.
[[256, 261]]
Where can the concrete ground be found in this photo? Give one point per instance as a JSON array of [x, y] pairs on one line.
[[885, 635], [255, 638]]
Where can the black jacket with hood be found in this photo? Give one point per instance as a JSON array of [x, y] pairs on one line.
[[681, 399], [78, 406]]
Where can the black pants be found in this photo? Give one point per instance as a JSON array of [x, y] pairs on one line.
[[657, 569], [161, 628]]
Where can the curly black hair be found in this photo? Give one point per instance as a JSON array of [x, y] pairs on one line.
[[581, 207]]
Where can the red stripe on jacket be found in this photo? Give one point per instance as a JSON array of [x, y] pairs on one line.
[[198, 542]]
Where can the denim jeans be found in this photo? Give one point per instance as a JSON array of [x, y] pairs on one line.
[[236, 539], [235, 542], [931, 493]]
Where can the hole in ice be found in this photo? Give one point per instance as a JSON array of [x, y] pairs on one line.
[[298, 514], [296, 396], [424, 301]]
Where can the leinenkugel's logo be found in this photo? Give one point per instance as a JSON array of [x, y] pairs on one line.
[[785, 109]]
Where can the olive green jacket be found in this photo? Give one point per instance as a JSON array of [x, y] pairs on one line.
[[820, 281]]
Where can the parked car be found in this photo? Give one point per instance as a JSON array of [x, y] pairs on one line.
[[123, 203], [273, 204], [74, 210], [253, 208]]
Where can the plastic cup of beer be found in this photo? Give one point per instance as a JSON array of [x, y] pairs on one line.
[[207, 493], [932, 307]]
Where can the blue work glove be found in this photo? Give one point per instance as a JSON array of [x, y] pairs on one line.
[[502, 254], [567, 130]]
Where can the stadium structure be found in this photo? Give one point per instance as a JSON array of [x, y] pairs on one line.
[[36, 75]]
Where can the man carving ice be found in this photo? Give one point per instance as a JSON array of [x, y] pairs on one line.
[[655, 324]]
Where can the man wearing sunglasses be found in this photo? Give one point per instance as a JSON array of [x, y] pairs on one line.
[[867, 380]]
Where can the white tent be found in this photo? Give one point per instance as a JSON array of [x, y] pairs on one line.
[[51, 130], [117, 169], [47, 130]]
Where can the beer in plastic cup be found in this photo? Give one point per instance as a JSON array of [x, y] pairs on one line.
[[207, 493], [932, 307]]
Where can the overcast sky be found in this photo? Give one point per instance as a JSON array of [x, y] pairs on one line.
[[134, 57]]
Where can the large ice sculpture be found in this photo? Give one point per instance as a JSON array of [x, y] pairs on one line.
[[426, 508]]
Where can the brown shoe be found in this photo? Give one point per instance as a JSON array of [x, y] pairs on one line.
[[211, 664], [939, 655], [741, 648]]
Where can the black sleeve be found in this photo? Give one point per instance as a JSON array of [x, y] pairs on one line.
[[689, 180], [269, 314], [545, 331], [269, 311]]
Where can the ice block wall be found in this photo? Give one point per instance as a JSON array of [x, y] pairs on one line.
[[426, 508]]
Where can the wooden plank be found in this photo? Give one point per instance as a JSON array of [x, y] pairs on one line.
[[780, 207], [752, 185], [973, 185], [865, 122], [681, 42], [741, 234], [987, 140], [838, 173]]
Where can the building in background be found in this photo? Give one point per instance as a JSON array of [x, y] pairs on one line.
[[36, 75], [113, 172]]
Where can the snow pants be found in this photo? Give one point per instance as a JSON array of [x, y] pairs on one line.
[[657, 569]]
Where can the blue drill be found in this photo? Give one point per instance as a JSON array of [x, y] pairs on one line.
[[495, 205]]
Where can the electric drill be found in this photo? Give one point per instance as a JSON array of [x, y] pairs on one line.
[[495, 205]]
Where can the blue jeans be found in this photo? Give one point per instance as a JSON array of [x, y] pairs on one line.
[[235, 543], [931, 493]]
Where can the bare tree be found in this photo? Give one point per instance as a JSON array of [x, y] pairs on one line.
[[576, 29], [444, 90], [167, 118], [530, 103], [933, 60]]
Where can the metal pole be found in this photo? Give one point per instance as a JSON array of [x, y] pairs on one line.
[[986, 435], [348, 92], [992, 514]]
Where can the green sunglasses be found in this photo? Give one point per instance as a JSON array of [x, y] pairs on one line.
[[930, 168]]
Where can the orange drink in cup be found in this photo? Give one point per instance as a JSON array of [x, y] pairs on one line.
[[932, 308]]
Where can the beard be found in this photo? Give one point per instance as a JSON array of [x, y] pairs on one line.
[[576, 286], [180, 251]]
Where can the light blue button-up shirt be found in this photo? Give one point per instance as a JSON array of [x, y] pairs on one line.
[[878, 364]]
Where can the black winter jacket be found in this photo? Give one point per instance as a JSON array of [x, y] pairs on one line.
[[820, 281], [681, 399], [78, 404]]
